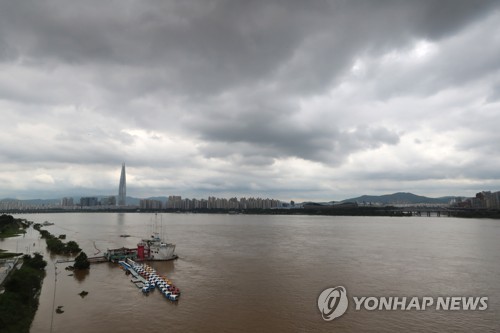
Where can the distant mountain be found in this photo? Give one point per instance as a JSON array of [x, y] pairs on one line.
[[163, 199], [400, 198], [131, 201]]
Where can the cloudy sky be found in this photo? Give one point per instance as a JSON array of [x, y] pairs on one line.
[[319, 99]]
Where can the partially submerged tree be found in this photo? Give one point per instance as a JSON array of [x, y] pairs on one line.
[[81, 261], [72, 247]]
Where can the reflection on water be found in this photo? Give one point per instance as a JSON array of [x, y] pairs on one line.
[[242, 273], [120, 217], [80, 275]]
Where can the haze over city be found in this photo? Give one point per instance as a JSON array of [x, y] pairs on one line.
[[317, 100]]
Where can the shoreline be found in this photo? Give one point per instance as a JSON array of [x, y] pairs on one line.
[[320, 210]]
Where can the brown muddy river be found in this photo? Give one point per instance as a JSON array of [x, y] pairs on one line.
[[240, 273]]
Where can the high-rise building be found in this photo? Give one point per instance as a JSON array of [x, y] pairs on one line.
[[122, 190], [108, 201], [150, 204], [89, 201], [67, 202]]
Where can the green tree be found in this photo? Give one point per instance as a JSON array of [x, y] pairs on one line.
[[45, 233], [19, 302], [36, 262], [25, 283], [81, 261], [72, 247], [55, 245]]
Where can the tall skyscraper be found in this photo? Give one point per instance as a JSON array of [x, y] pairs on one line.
[[122, 190]]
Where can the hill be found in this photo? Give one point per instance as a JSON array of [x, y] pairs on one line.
[[400, 198]]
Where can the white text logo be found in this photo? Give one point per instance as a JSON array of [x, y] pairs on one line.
[[423, 303], [332, 303]]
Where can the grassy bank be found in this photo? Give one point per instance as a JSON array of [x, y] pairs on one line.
[[6, 255], [11, 227]]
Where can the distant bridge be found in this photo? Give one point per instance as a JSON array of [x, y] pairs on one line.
[[439, 211]]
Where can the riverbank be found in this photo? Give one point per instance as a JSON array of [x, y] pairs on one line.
[[11, 227], [20, 280], [310, 210], [19, 301], [4, 254]]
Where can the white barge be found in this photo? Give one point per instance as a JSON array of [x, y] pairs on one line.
[[148, 249]]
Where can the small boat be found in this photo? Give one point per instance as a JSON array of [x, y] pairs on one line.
[[148, 287], [124, 235]]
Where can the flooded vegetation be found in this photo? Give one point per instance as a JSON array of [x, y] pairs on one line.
[[19, 301]]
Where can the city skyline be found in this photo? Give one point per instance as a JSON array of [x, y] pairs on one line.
[[484, 200], [319, 101]]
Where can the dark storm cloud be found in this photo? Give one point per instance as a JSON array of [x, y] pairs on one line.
[[206, 47], [276, 137], [212, 45]]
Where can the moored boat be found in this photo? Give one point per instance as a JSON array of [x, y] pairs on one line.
[[150, 249]]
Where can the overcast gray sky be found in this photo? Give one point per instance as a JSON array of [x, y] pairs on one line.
[[320, 100]]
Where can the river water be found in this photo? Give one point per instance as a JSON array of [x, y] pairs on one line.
[[263, 273]]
